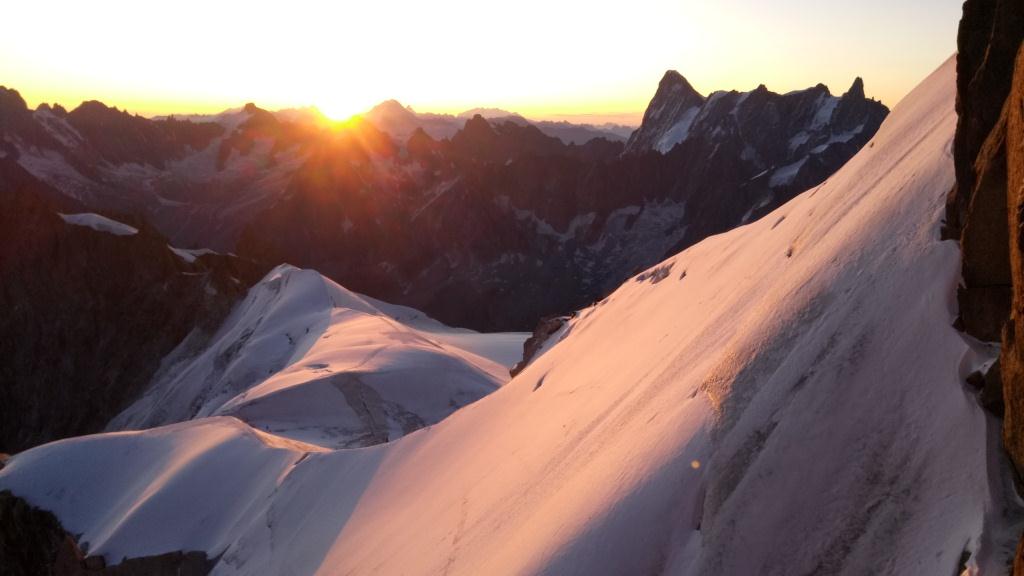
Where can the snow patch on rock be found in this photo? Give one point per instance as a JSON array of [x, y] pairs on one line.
[[100, 223]]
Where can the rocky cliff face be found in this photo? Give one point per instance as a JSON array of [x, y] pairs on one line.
[[1013, 335], [985, 210], [990, 33], [89, 313]]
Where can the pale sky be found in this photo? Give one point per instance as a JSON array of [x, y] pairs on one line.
[[541, 58]]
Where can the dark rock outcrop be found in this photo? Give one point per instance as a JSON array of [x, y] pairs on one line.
[[30, 539], [33, 542], [545, 328]]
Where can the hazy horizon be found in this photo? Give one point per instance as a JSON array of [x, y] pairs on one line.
[[543, 61]]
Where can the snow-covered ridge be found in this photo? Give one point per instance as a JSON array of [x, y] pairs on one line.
[[305, 358], [784, 398], [100, 223]]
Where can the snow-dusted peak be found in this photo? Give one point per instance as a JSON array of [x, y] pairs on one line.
[[669, 115], [676, 84], [308, 359]]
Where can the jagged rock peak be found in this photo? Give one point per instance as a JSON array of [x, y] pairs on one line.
[[11, 100], [478, 125], [55, 109], [674, 98], [856, 90]]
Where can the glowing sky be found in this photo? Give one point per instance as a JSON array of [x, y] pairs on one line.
[[541, 58]]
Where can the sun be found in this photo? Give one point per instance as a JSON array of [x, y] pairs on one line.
[[341, 109]]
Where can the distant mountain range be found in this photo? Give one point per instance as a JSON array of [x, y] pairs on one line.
[[489, 223], [401, 121]]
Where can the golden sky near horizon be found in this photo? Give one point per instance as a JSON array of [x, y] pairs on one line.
[[540, 58]]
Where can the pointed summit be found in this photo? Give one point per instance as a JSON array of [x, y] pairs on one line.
[[391, 107], [675, 83], [250, 108], [671, 103], [857, 90], [478, 128], [390, 114]]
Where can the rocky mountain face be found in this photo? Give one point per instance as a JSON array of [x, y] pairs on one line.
[[775, 127], [674, 107], [492, 227], [91, 306], [985, 209], [195, 181]]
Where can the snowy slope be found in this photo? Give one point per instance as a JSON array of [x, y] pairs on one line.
[[305, 358], [785, 398]]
